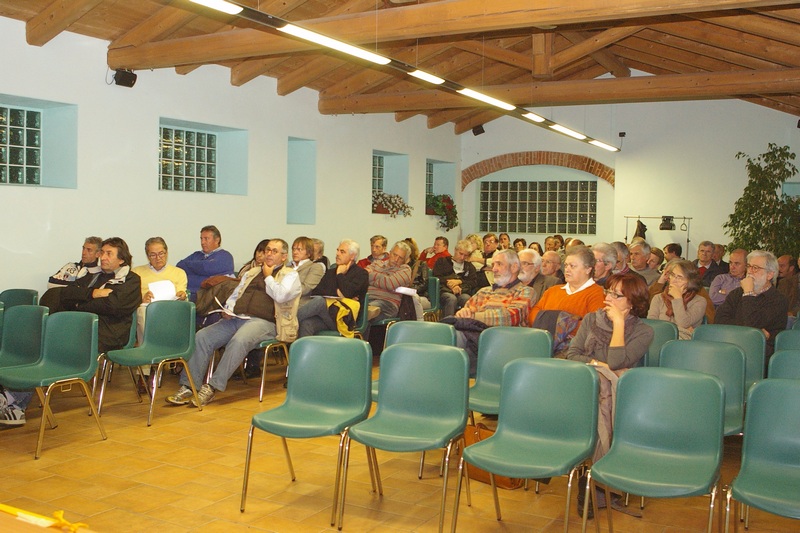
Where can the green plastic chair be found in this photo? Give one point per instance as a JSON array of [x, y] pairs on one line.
[[724, 360], [769, 476], [69, 358], [796, 324], [667, 442], [269, 345], [498, 346], [432, 314], [663, 331], [12, 297], [2, 309], [327, 392], [362, 322], [784, 364], [547, 425], [751, 340], [24, 328], [788, 340], [169, 330], [423, 407]]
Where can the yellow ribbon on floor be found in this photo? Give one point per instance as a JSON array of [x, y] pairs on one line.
[[43, 521]]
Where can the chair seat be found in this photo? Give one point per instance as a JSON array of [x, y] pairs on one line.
[[525, 457], [151, 355], [770, 488], [28, 377], [394, 433], [305, 421], [484, 398], [668, 476]]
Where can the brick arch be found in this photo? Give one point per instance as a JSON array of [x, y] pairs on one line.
[[519, 159]]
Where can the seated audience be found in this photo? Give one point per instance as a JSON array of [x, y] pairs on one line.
[[639, 256], [530, 273], [723, 284], [551, 265], [210, 260], [310, 272], [672, 251], [658, 287], [605, 257], [377, 246], [788, 287], [432, 254], [457, 278], [656, 261], [252, 314], [490, 246], [87, 265], [476, 256], [580, 294], [551, 244], [319, 253], [786, 267], [717, 255], [503, 241], [420, 273], [680, 302], [387, 275], [258, 258], [520, 244], [706, 267], [757, 303], [536, 246], [623, 253]]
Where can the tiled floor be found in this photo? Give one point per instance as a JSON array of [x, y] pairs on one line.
[[185, 474]]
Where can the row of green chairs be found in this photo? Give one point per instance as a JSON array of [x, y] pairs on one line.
[[12, 297]]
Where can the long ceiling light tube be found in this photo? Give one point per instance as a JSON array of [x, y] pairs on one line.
[[265, 19]]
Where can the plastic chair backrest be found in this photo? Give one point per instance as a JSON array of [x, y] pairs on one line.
[[132, 333], [2, 308], [663, 331], [500, 345], [788, 340], [12, 297], [784, 364], [70, 344], [433, 294], [424, 381], [550, 398], [23, 334], [721, 359], [669, 410], [334, 372], [363, 316], [170, 327], [750, 340], [796, 324], [421, 332]]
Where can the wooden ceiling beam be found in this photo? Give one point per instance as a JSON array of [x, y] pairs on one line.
[[604, 91], [316, 68], [246, 71], [767, 27], [448, 17], [591, 45], [496, 53], [55, 18], [602, 56], [542, 50], [164, 22]]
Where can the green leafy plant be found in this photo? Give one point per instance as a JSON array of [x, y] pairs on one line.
[[444, 207], [764, 218], [393, 204]]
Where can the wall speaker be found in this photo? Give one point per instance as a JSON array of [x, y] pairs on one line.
[[478, 130], [125, 78]]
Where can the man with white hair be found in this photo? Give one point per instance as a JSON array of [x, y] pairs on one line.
[[385, 276], [757, 303], [551, 265], [640, 253], [457, 277], [605, 257], [530, 273]]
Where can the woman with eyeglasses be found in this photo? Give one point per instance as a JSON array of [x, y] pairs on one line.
[[680, 301]]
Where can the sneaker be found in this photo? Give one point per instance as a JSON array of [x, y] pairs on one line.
[[205, 395], [181, 397], [12, 416]]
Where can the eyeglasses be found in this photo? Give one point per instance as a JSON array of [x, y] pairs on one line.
[[612, 294], [676, 277], [275, 251], [297, 248], [157, 254], [755, 268]]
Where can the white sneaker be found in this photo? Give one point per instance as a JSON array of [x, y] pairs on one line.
[[12, 416], [205, 395], [181, 397]]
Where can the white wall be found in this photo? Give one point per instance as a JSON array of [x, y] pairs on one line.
[[678, 158], [118, 194]]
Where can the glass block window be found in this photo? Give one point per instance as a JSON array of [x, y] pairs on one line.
[[544, 207], [20, 146], [188, 160], [377, 173], [428, 182]]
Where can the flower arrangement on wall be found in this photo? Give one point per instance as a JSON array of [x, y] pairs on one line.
[[443, 206], [390, 204]]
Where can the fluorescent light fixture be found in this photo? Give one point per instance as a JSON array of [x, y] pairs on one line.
[[430, 78], [486, 98], [567, 131], [534, 117], [220, 5], [333, 44], [604, 146]]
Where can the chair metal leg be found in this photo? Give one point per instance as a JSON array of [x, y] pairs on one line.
[[641, 503], [746, 517], [95, 412], [371, 467], [337, 482], [136, 385], [247, 466], [608, 509], [444, 482], [378, 481], [343, 492], [535, 486], [590, 489], [191, 383], [573, 474], [288, 457], [46, 407], [472, 417], [48, 413], [711, 505], [496, 499], [104, 369], [461, 474], [441, 465], [421, 464]]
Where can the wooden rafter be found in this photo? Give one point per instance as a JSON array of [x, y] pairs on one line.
[[55, 18]]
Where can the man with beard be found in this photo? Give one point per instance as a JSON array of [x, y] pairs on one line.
[[530, 273], [757, 303]]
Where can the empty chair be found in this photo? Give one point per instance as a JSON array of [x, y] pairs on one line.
[[750, 340], [423, 407], [547, 425], [498, 346], [788, 340], [327, 392], [23, 335], [784, 364], [667, 443], [168, 338], [724, 360], [12, 297], [769, 476], [663, 331], [69, 358]]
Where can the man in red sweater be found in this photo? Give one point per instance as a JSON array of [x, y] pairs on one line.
[[432, 254]]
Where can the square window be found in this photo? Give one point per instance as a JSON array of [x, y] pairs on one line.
[[15, 175]]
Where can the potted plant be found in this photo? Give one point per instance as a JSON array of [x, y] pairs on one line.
[[443, 206], [390, 204]]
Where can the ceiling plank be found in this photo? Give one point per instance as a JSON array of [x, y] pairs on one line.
[[164, 22], [580, 40], [247, 71], [312, 70], [592, 44], [604, 91], [56, 18], [757, 25], [509, 57], [448, 17], [542, 48]]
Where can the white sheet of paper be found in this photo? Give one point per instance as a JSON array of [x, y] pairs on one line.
[[162, 290]]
